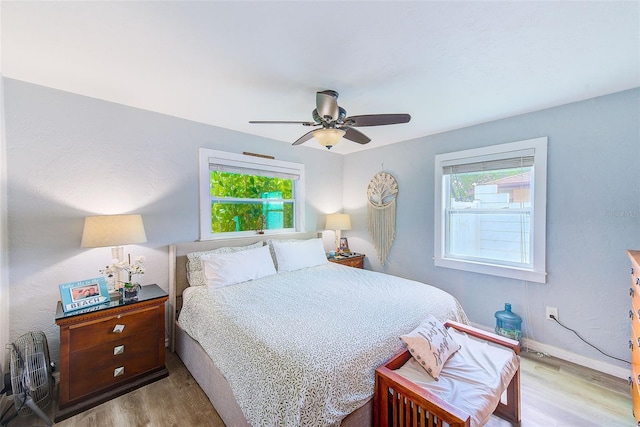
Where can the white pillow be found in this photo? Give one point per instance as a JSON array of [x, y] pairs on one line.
[[296, 255], [273, 252], [195, 272], [228, 269], [431, 345]]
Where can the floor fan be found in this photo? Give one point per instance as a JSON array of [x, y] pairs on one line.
[[31, 377]]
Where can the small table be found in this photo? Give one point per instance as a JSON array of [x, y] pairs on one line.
[[109, 350], [352, 260]]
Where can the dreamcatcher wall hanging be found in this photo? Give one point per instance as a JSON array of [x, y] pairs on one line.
[[381, 212]]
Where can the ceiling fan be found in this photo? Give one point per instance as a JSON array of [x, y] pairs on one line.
[[335, 124]]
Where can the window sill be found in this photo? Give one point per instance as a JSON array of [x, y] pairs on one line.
[[255, 234], [493, 270]]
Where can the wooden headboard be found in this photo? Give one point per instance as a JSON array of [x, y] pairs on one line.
[[178, 265]]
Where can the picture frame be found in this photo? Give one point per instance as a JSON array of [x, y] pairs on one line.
[[83, 294], [344, 245]]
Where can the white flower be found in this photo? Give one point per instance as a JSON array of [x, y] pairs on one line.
[[132, 268]]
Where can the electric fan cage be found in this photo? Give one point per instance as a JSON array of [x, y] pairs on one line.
[[30, 371]]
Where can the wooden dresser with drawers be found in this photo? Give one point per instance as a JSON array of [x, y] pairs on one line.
[[354, 260], [634, 341], [108, 351]]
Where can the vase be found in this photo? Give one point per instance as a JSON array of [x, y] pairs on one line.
[[130, 292]]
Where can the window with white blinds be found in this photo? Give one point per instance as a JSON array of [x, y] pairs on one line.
[[490, 210], [525, 159], [241, 195]]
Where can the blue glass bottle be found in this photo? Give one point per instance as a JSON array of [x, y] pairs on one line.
[[508, 324]]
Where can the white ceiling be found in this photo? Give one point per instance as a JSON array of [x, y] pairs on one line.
[[448, 64]]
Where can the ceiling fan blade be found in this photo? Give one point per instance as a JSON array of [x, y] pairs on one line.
[[356, 136], [304, 138], [262, 122], [377, 119], [327, 105]]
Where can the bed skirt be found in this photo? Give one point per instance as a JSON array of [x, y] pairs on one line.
[[211, 380]]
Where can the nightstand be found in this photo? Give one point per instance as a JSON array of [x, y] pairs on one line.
[[355, 260], [108, 351]]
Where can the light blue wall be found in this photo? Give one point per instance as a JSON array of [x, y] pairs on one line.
[[593, 216], [71, 156]]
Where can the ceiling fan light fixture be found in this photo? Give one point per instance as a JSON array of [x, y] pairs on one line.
[[333, 119], [328, 137]]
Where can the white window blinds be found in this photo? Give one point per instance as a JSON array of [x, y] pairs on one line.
[[469, 165]]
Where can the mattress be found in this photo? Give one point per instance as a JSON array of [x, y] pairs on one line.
[[301, 347]]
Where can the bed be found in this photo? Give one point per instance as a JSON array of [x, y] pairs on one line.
[[299, 347]]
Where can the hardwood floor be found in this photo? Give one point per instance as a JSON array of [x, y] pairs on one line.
[[175, 401], [558, 393], [554, 393]]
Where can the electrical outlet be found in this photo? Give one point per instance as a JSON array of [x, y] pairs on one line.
[[552, 311]]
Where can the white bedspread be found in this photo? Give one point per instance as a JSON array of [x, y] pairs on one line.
[[300, 348]]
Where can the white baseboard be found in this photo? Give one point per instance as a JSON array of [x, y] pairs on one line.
[[596, 365]]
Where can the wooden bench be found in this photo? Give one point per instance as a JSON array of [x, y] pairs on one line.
[[399, 402]]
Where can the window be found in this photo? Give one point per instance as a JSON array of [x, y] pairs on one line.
[[240, 195], [490, 210]]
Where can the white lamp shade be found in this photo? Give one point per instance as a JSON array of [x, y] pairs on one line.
[[112, 230], [328, 137], [338, 222]]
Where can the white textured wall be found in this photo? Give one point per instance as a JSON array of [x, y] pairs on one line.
[[71, 156], [593, 216], [4, 242]]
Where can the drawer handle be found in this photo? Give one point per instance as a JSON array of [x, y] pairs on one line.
[[638, 378], [631, 292], [630, 314], [118, 329], [631, 382], [631, 345], [119, 349], [638, 280], [118, 371]]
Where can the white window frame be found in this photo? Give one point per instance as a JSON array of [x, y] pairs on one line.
[[539, 200], [208, 157]]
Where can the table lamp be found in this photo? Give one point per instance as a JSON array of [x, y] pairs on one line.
[[115, 231], [338, 222]]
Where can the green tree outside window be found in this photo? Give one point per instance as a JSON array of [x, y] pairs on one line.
[[240, 202]]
